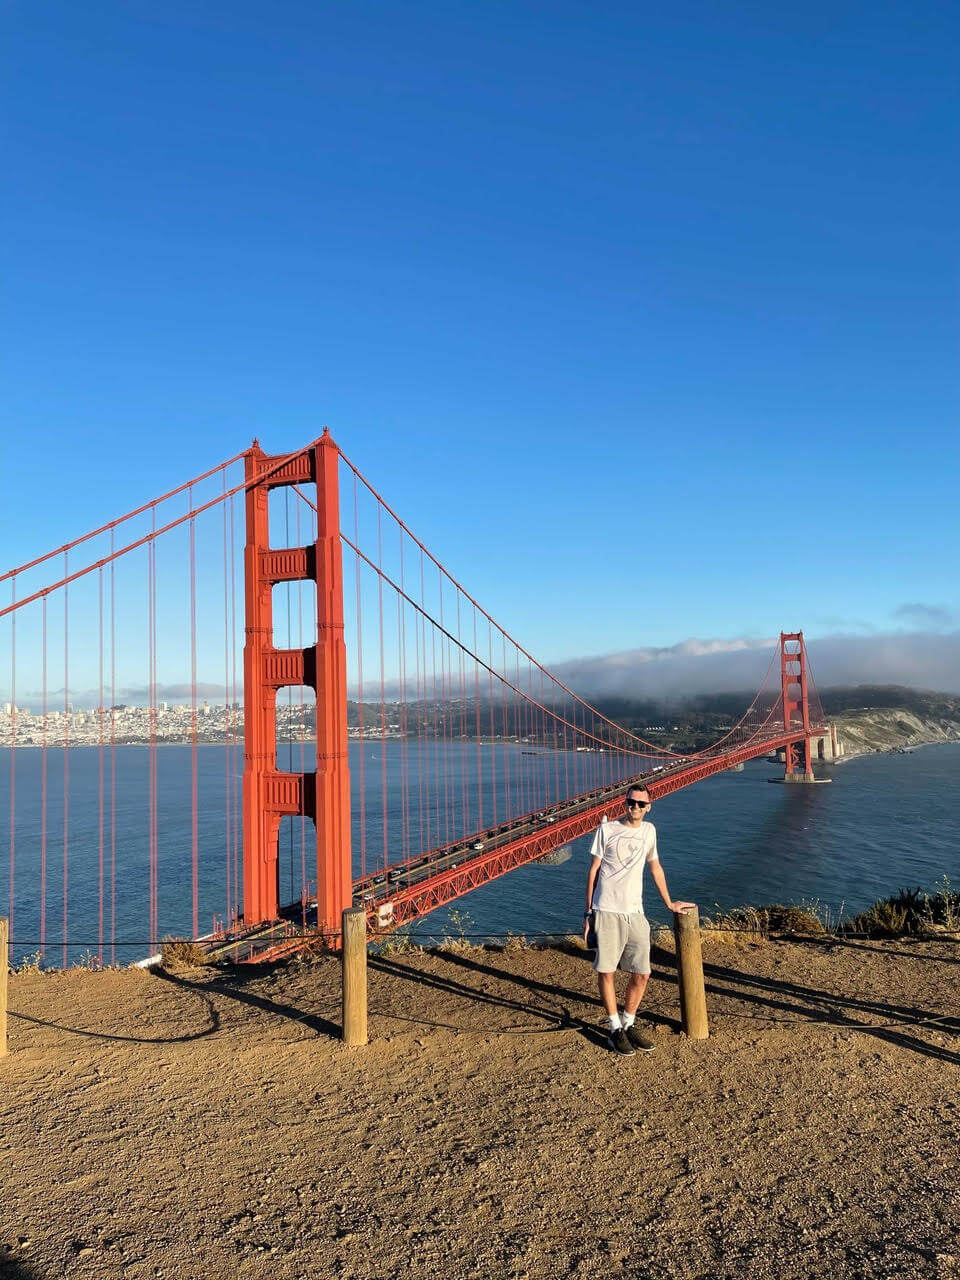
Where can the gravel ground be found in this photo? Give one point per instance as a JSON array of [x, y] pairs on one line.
[[202, 1123]]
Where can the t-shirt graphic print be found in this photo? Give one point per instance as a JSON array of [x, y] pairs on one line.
[[623, 851]]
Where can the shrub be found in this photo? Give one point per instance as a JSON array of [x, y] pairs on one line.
[[784, 919], [762, 921], [907, 913]]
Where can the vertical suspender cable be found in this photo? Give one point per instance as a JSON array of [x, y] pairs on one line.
[[13, 751], [404, 760], [43, 794], [100, 788], [66, 750], [508, 808], [444, 713], [518, 722], [113, 752], [288, 645], [556, 746], [405, 708], [362, 745], [383, 702], [404, 813], [576, 752], [418, 631], [154, 867], [194, 788], [476, 708], [467, 815], [228, 781], [234, 712], [303, 763], [493, 733], [437, 772], [542, 738]]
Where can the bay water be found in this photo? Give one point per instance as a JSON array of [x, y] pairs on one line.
[[885, 821]]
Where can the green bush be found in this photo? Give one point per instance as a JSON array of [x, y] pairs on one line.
[[910, 913]]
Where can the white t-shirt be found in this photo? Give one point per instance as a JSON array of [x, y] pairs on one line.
[[624, 851]]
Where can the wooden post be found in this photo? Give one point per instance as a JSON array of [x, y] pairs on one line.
[[693, 998], [354, 963], [4, 935]]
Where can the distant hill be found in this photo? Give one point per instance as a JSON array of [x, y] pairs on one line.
[[868, 717], [732, 705], [892, 696], [884, 717]]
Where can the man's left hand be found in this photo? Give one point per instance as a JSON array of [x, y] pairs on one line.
[[682, 907]]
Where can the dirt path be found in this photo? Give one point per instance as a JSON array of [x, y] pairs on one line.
[[202, 1124]]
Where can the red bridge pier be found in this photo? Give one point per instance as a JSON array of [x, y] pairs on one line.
[[268, 792]]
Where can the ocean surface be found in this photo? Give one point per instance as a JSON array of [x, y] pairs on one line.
[[884, 822]]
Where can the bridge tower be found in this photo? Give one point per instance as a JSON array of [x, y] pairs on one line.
[[798, 766], [268, 792]]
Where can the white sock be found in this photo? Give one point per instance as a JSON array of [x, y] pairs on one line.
[[614, 1020], [627, 1020]]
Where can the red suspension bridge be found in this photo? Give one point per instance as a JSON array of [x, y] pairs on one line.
[[386, 743]]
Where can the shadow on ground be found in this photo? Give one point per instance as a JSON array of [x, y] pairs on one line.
[[233, 986], [12, 1268], [552, 1014], [735, 995], [213, 1026], [871, 1017]]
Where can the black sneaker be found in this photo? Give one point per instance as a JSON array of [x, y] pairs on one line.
[[638, 1040], [620, 1042]]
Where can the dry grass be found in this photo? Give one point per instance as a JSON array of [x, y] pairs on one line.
[[181, 953], [760, 922]]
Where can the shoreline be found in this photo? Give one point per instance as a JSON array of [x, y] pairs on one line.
[[907, 744], [906, 749]]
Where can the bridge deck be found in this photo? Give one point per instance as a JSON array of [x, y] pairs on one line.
[[406, 890]]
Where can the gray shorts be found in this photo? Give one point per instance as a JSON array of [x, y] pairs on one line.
[[623, 942]]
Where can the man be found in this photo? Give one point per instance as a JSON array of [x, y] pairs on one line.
[[619, 853]]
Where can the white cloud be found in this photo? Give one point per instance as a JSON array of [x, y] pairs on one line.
[[923, 660]]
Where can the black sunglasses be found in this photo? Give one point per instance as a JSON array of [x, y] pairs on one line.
[[638, 804]]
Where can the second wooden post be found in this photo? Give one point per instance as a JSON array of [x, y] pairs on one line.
[[354, 965], [693, 997]]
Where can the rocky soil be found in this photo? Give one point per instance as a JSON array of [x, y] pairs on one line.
[[209, 1124]]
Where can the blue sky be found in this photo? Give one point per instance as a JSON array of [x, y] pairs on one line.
[[644, 317]]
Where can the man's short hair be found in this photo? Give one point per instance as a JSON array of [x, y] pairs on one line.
[[637, 786]]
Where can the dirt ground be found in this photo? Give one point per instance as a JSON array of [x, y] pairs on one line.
[[209, 1124]]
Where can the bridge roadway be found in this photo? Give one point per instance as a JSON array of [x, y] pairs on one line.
[[411, 888], [406, 890]]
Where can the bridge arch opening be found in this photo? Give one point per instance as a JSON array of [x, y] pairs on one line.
[[294, 607], [292, 514], [296, 729], [296, 863]]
